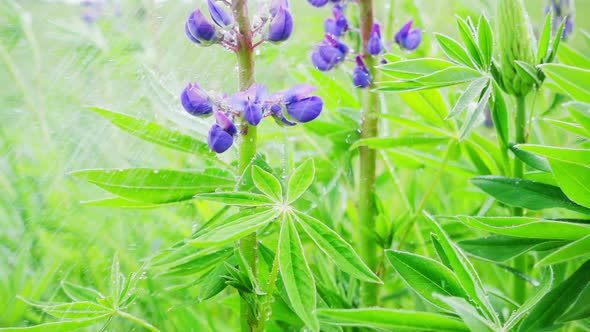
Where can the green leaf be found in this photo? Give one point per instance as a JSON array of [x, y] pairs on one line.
[[391, 320], [557, 301], [528, 227], [569, 126], [416, 125], [573, 250], [526, 194], [581, 112], [469, 41], [213, 283], [500, 115], [543, 46], [572, 80], [153, 185], [531, 159], [556, 41], [453, 50], [426, 277], [473, 90], [267, 183], [80, 293], [526, 70], [155, 133], [237, 198], [544, 287], [449, 76], [428, 104], [580, 309], [73, 310], [300, 180], [389, 143], [463, 269], [336, 248], [574, 180], [468, 314], [121, 203], [568, 155], [485, 40], [475, 114], [235, 227], [63, 326], [117, 279], [500, 248], [440, 252], [296, 274], [197, 263], [571, 57], [413, 68]]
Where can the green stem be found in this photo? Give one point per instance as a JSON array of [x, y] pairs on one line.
[[248, 245], [520, 263], [368, 163]]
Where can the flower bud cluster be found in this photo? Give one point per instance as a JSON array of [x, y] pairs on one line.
[[332, 51]]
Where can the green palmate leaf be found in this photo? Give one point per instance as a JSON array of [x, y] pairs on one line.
[[235, 227], [580, 309], [267, 183], [453, 50], [581, 112], [237, 198], [410, 69], [153, 185], [416, 125], [526, 194], [389, 143], [485, 40], [449, 76], [574, 180], [500, 248], [155, 133], [296, 274], [300, 180], [540, 291], [531, 159], [572, 80], [392, 320], [73, 310], [429, 104], [528, 71], [571, 57], [214, 282], [543, 46], [555, 303], [469, 41], [426, 277], [573, 250], [500, 115], [79, 293], [473, 90], [527, 227], [63, 326], [468, 314], [336, 248], [568, 155], [464, 270], [197, 263], [476, 113]]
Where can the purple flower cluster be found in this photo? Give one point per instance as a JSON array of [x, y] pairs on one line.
[[562, 9], [275, 26], [332, 51], [286, 107]]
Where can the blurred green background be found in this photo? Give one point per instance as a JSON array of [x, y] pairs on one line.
[[134, 58]]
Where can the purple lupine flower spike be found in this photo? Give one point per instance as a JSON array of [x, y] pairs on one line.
[[219, 140], [281, 26], [375, 45], [196, 101], [318, 3], [408, 39], [219, 15], [361, 77], [198, 28]]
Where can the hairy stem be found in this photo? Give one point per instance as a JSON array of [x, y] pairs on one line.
[[248, 245], [368, 161], [520, 263]]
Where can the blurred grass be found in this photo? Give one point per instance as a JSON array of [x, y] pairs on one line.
[[53, 64]]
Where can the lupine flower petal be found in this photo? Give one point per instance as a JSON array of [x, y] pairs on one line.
[[279, 117], [361, 77], [413, 40], [219, 140], [189, 34], [201, 29], [281, 26], [276, 5], [219, 15], [253, 113], [375, 46], [306, 109], [318, 3], [298, 92], [195, 101], [403, 32], [225, 123], [331, 27], [319, 63]]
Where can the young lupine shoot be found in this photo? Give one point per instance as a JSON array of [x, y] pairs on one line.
[[281, 25], [361, 77], [407, 38], [196, 101], [199, 30], [375, 45]]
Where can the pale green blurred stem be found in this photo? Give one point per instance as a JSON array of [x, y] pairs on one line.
[[368, 161], [520, 263]]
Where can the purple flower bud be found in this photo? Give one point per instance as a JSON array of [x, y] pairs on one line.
[[195, 100], [219, 140], [361, 77], [406, 39], [306, 109], [318, 3], [329, 53], [225, 123], [219, 15], [276, 5], [375, 45], [281, 26], [298, 92], [277, 114], [198, 28], [253, 113], [338, 25]]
